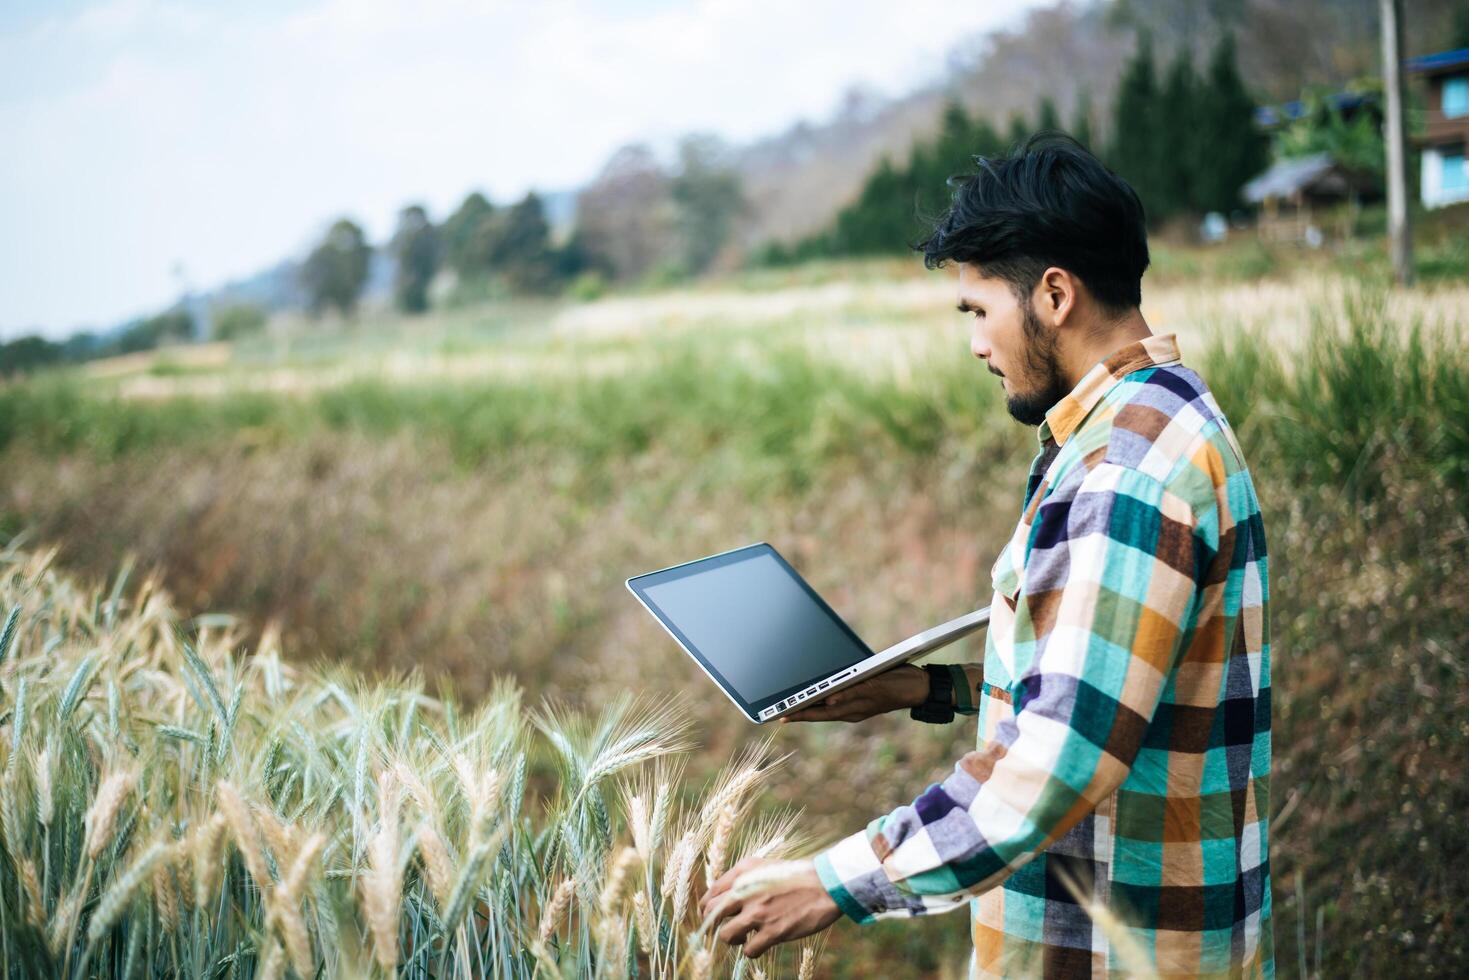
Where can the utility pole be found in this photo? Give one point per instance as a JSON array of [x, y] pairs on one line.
[[1400, 236]]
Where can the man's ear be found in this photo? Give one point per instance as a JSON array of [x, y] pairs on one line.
[[1056, 295]]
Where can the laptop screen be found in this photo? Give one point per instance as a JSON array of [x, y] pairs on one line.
[[752, 621]]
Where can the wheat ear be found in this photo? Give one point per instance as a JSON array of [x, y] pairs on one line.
[[552, 912], [45, 805], [438, 866], [637, 819], [703, 964], [616, 878], [102, 815], [204, 849], [647, 930], [247, 839], [719, 845], [286, 902], [381, 891], [36, 913], [115, 899]]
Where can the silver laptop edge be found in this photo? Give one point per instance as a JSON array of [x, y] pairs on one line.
[[901, 652], [911, 648]]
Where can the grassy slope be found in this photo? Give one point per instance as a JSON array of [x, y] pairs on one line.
[[406, 514]]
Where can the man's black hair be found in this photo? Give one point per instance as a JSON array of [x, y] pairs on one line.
[[1050, 202]]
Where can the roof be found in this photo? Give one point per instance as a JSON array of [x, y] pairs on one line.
[[1270, 115], [1442, 61], [1317, 172]]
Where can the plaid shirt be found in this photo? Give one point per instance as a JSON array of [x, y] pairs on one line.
[[1124, 708]]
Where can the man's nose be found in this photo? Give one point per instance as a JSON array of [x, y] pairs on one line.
[[979, 348]]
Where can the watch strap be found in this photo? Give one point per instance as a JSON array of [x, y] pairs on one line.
[[938, 709]]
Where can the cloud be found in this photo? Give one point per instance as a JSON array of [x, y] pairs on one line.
[[223, 137]]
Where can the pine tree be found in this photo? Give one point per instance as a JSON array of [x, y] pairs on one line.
[[1231, 148], [459, 233], [1179, 108], [1046, 116], [1081, 123], [1138, 133], [415, 246], [1019, 131], [955, 136], [523, 246], [985, 139], [335, 272], [953, 153]]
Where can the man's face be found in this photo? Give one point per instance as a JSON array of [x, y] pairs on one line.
[[1013, 342]]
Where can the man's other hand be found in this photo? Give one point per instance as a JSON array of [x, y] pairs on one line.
[[792, 909], [904, 686]]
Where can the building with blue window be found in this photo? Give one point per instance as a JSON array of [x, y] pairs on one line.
[[1445, 174]]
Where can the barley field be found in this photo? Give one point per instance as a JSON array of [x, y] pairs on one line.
[[319, 659], [174, 804]]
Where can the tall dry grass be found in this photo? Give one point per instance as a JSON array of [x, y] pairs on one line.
[[172, 806]]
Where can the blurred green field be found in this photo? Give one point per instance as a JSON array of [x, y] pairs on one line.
[[464, 493]]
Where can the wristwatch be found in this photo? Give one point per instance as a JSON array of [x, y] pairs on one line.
[[939, 708]]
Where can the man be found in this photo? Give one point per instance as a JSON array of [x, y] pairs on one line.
[[1124, 700]]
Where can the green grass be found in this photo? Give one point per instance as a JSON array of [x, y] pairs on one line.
[[776, 423], [1361, 384]]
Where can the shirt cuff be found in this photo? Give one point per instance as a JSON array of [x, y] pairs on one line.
[[853, 876]]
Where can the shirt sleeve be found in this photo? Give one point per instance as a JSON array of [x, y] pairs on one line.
[[1108, 590]]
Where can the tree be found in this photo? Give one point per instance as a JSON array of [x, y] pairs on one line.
[[523, 246], [459, 233], [1018, 132], [175, 325], [1231, 147], [882, 218], [83, 346], [1081, 122], [627, 219], [710, 200], [1323, 127], [1046, 116], [1139, 134], [1178, 164], [25, 354], [953, 152], [237, 321], [336, 270], [895, 203], [415, 246]]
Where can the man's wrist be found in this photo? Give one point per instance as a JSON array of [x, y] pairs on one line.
[[917, 691], [850, 873]]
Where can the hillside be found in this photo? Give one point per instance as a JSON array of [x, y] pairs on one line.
[[799, 178]]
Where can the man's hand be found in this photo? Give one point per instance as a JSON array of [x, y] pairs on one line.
[[903, 686], [787, 911]]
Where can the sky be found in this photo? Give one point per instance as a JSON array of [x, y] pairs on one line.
[[149, 146]]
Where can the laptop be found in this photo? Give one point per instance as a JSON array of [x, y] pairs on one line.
[[761, 632]]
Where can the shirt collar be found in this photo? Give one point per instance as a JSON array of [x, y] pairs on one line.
[[1067, 414]]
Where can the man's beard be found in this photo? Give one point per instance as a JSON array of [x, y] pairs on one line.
[[1042, 367]]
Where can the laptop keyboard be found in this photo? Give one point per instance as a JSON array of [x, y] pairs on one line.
[[800, 696]]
